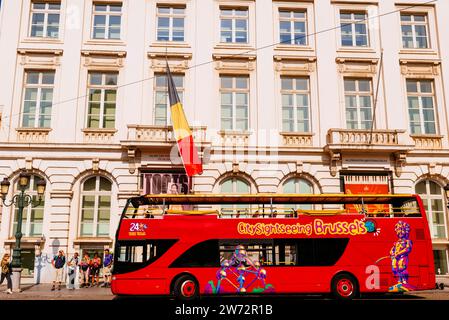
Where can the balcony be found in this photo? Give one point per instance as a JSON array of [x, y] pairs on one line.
[[358, 140], [230, 138], [101, 136], [33, 135], [151, 135], [296, 139], [427, 141]]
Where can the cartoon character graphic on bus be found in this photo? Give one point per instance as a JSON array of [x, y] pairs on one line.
[[399, 257], [241, 273]]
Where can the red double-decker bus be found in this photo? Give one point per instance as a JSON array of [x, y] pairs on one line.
[[347, 245]]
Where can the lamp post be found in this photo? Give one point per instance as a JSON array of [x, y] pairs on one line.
[[21, 200], [446, 191]]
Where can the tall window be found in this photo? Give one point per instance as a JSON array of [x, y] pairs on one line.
[[293, 27], [414, 29], [95, 207], [433, 199], [161, 102], [32, 218], [295, 104], [37, 99], [170, 23], [420, 98], [300, 186], [234, 91], [234, 25], [45, 19], [354, 29], [358, 103], [235, 186], [107, 20], [102, 100], [440, 260]]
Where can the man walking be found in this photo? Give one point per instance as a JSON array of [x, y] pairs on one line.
[[58, 263]]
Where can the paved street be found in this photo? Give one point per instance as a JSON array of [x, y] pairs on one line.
[[43, 292]]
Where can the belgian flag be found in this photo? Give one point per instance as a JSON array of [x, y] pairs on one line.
[[181, 129]]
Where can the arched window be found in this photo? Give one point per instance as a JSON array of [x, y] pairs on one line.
[[95, 207], [433, 198], [297, 185], [235, 186], [32, 218]]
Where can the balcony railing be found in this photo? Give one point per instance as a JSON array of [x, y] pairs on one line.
[[152, 133], [365, 137], [427, 141], [33, 135], [296, 139], [99, 135]]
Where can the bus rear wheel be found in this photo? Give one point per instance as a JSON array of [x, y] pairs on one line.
[[345, 287], [186, 288]]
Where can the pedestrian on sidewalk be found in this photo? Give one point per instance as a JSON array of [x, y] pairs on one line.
[[72, 272], [95, 269], [6, 272], [58, 263], [84, 267], [107, 266]]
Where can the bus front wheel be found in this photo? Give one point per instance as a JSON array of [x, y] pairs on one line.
[[345, 287], [186, 288]]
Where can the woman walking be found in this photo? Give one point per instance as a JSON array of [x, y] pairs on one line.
[[6, 272], [95, 269]]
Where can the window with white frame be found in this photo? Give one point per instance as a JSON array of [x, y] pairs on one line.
[[440, 261], [298, 186], [421, 106], [432, 196], [45, 19], [295, 104], [235, 186], [32, 217], [37, 99], [234, 92], [170, 23], [234, 25], [293, 27], [414, 28], [107, 19], [95, 207], [358, 103], [354, 29], [102, 87], [162, 112]]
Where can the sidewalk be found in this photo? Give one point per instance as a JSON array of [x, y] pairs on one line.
[[43, 292]]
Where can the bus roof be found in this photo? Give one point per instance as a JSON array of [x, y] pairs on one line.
[[269, 198]]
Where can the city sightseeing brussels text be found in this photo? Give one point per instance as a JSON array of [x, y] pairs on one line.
[[317, 227]]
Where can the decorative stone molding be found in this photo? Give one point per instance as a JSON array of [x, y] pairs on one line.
[[61, 194], [234, 63], [29, 163], [299, 167], [178, 62], [103, 59], [234, 138], [427, 141], [235, 167], [132, 159], [95, 165], [400, 159], [335, 159], [33, 135], [39, 58], [149, 133], [296, 139], [294, 65], [364, 137], [104, 136], [357, 66], [417, 68]]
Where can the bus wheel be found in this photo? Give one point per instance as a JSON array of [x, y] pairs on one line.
[[186, 288], [345, 287]]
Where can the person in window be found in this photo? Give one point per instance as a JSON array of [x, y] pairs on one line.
[[84, 270], [95, 269], [72, 267], [58, 263], [6, 272], [107, 266]]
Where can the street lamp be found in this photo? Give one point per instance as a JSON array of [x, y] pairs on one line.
[[22, 200], [446, 191]]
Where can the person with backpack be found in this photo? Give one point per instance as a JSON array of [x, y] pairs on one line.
[[72, 267], [84, 266], [58, 263], [6, 272], [107, 266]]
